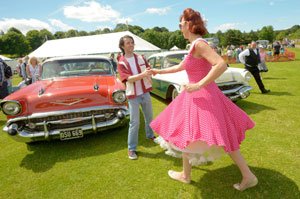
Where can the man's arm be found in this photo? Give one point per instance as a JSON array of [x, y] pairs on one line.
[[243, 54]]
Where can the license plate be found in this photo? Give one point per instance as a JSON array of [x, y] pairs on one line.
[[70, 134]]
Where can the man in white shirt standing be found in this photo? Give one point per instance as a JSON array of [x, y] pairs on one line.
[[136, 75], [251, 62]]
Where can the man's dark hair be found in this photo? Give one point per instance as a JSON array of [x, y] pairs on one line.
[[121, 42]]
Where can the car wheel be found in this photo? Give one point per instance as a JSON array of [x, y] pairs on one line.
[[174, 93]]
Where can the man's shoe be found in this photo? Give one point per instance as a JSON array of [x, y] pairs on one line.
[[132, 155], [265, 91]]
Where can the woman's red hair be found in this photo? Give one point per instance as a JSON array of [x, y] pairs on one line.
[[196, 24]]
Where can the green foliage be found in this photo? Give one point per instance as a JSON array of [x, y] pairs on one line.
[[35, 39], [12, 29], [46, 35], [295, 35], [82, 33], [282, 35], [234, 37], [60, 35], [71, 33], [15, 43], [266, 33]]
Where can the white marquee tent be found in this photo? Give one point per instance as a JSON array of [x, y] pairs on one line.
[[4, 58], [91, 45]]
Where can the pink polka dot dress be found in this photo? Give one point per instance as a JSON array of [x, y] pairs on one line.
[[203, 123]]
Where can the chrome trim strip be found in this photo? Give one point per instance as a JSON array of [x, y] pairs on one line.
[[26, 136]]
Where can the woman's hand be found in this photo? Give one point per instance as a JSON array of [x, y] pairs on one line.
[[192, 87], [155, 71]]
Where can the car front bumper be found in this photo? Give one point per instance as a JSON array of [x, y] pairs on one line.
[[90, 125]]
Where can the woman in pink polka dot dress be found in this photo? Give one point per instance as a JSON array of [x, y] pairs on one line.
[[202, 122]]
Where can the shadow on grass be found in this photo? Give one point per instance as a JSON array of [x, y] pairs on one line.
[[251, 107], [46, 154], [218, 184], [166, 102], [281, 78]]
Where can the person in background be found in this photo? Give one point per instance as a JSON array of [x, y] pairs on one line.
[[136, 75], [34, 69], [24, 68], [201, 120], [251, 64], [262, 66], [282, 50], [19, 64], [118, 56], [113, 61], [238, 50], [3, 81], [276, 47]]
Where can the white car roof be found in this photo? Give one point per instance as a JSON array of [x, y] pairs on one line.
[[78, 57], [163, 54]]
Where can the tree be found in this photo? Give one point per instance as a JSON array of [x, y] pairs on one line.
[[106, 30], [83, 33], [120, 27], [59, 35], [232, 37], [46, 35], [137, 30], [13, 29], [160, 29], [96, 32], [295, 35], [71, 33], [15, 43], [266, 33], [282, 35], [176, 39], [34, 38]]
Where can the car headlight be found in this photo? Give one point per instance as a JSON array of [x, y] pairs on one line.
[[248, 76], [119, 96], [11, 108]]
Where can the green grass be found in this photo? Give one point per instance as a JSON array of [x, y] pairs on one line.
[[97, 166]]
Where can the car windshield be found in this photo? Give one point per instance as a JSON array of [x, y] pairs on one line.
[[172, 60], [76, 67]]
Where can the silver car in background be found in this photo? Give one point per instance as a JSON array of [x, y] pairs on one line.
[[233, 82]]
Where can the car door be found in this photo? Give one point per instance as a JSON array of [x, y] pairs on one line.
[[156, 62]]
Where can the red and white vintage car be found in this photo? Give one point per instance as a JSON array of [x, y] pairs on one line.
[[74, 96]]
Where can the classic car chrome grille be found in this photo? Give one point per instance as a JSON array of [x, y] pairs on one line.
[[73, 115], [71, 120], [58, 120]]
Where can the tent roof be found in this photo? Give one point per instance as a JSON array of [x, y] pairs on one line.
[[4, 58], [174, 48], [87, 45]]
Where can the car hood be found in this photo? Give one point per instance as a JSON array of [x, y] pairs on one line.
[[180, 78], [65, 93]]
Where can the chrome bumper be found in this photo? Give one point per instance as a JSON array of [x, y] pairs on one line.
[[239, 93], [24, 135]]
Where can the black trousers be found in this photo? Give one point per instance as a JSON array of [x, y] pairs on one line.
[[3, 90], [255, 72]]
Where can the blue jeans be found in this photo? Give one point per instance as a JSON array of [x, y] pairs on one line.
[[134, 124]]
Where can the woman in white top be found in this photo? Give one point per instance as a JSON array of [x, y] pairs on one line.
[[34, 69]]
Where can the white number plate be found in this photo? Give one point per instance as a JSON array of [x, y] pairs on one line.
[[71, 134]]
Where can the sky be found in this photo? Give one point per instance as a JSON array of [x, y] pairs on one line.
[[91, 15]]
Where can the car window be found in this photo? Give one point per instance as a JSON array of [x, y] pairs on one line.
[[76, 67], [158, 62], [151, 62], [172, 60]]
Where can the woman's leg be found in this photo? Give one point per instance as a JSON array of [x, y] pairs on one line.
[[239, 160], [185, 175]]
